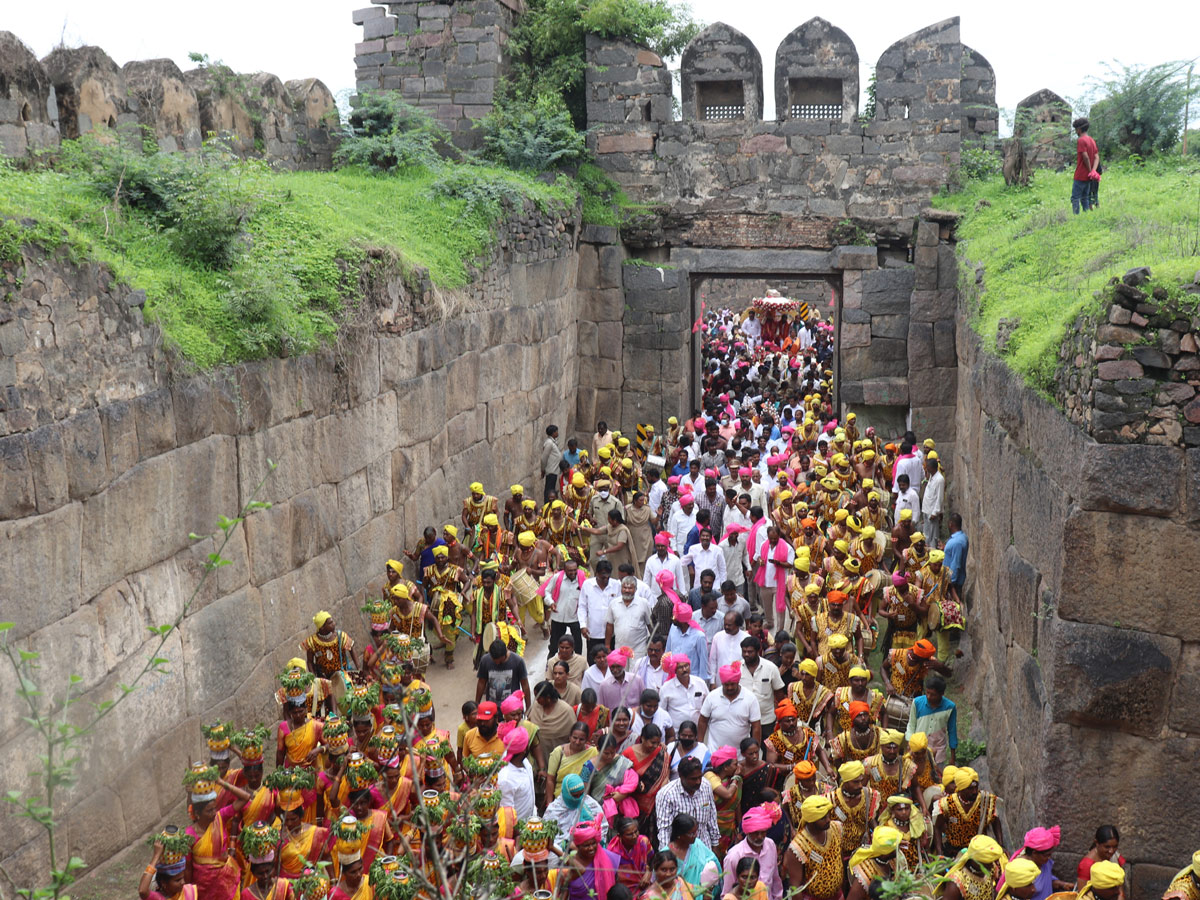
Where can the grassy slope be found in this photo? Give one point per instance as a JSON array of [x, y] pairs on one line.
[[1042, 264], [313, 220]]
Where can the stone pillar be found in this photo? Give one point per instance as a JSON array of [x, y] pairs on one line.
[[657, 346], [601, 329], [446, 59], [932, 356]]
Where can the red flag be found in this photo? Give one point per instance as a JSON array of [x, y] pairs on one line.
[[699, 319]]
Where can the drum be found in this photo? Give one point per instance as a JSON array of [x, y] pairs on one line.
[[897, 709], [524, 588], [340, 685], [514, 643], [656, 462], [420, 658]]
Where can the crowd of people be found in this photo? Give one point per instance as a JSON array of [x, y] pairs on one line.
[[752, 621]]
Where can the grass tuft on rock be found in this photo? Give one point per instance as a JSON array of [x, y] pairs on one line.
[[1042, 264]]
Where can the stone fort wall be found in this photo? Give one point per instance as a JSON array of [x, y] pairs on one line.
[[75, 91], [1083, 636], [109, 457]]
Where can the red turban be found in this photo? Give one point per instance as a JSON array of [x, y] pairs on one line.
[[924, 649], [857, 708]]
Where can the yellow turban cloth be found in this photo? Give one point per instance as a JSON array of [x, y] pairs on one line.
[[451, 530], [982, 849], [396, 566], [859, 672], [490, 520], [809, 666], [401, 591], [1106, 874], [919, 741], [916, 821], [891, 736], [441, 551], [965, 777], [1193, 869], [321, 618], [885, 840], [297, 663], [848, 771], [1019, 873], [948, 775], [476, 487], [838, 640], [577, 480], [814, 808], [527, 539], [516, 489]]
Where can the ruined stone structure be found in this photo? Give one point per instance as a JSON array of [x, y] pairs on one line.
[[444, 57], [1044, 121], [27, 110], [109, 457], [80, 90], [1133, 375]]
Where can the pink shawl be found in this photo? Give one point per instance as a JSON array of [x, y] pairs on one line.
[[558, 580], [781, 552]]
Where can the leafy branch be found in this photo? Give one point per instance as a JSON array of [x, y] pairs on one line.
[[63, 739]]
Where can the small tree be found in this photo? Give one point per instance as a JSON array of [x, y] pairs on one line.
[[1139, 110]]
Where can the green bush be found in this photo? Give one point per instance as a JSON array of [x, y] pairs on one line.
[[201, 201], [385, 134], [534, 136], [1140, 110], [548, 44], [978, 163]]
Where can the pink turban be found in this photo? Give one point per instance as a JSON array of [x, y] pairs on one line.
[[1043, 839], [666, 581], [673, 480], [898, 579], [686, 497], [662, 539], [755, 819], [585, 831], [514, 702], [617, 658], [735, 528], [744, 472], [682, 613], [515, 742], [795, 363], [731, 672], [669, 662], [723, 755], [710, 473]]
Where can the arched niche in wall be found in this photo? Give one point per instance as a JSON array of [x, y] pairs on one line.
[[721, 76], [816, 74]]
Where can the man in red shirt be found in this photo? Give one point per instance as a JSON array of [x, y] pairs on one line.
[[1087, 157]]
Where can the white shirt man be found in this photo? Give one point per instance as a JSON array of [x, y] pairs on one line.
[[631, 618], [910, 466], [762, 682], [668, 563], [710, 557], [681, 522], [773, 571], [566, 605], [724, 649], [729, 720], [652, 676], [516, 788], [594, 602], [681, 699], [908, 500], [658, 490], [737, 558], [931, 505]]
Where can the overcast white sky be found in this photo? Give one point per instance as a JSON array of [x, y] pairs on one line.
[[1031, 46]]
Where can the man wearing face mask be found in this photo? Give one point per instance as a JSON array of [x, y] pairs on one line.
[[601, 504]]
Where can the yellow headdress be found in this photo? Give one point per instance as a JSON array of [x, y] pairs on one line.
[[982, 850], [849, 771], [1105, 874], [1019, 873], [884, 841], [814, 808]]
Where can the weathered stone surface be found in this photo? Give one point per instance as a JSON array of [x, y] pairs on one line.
[[1112, 677], [1184, 709], [1097, 591], [16, 479], [231, 629], [146, 514], [1135, 479], [1119, 369]]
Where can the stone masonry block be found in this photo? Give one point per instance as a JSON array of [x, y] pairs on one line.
[[1112, 677], [83, 448], [920, 346], [1097, 573], [933, 387], [889, 327], [1132, 478], [48, 464], [16, 479], [933, 305]]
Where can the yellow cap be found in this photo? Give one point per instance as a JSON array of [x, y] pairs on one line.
[[321, 618], [476, 487], [451, 530], [517, 489], [490, 520], [527, 539]]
